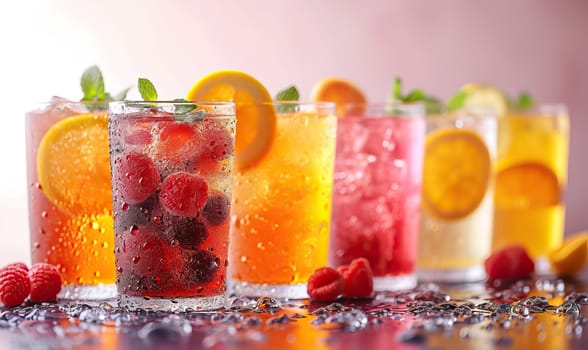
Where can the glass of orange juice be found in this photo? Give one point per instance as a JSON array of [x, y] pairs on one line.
[[457, 195], [531, 177], [70, 199], [280, 214]]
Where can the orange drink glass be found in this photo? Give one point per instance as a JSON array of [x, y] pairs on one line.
[[70, 198], [457, 195], [281, 205], [531, 177]]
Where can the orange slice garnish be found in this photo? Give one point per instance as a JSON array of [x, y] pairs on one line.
[[256, 121], [526, 185], [343, 92], [572, 256], [73, 164], [456, 172]]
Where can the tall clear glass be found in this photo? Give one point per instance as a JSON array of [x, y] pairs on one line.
[[171, 178], [457, 196], [377, 190], [69, 195], [532, 169], [282, 205]]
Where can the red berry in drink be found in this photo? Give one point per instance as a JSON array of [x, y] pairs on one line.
[[217, 143], [202, 266], [137, 177], [178, 142], [217, 208], [186, 232], [183, 194], [325, 284]]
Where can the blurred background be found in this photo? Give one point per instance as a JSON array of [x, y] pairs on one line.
[[534, 45]]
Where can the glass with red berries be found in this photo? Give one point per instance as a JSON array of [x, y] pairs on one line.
[[171, 187]]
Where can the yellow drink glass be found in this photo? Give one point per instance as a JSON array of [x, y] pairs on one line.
[[531, 177], [281, 206]]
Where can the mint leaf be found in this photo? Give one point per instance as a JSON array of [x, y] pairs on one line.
[[183, 108], [288, 94], [147, 90], [92, 84], [397, 89], [457, 101], [524, 101], [121, 95], [415, 95]]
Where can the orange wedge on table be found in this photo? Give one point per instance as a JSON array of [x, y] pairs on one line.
[[256, 122], [456, 172], [342, 92], [571, 257], [526, 185], [73, 165]]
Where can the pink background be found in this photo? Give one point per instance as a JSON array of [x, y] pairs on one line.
[[539, 45]]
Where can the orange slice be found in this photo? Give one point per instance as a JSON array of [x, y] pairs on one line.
[[340, 91], [73, 165], [485, 95], [526, 185], [256, 121], [456, 173], [571, 257]]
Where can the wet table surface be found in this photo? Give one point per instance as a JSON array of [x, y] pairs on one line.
[[545, 313]]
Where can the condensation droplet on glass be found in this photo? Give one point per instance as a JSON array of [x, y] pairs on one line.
[[125, 206], [95, 226], [44, 214], [243, 259]]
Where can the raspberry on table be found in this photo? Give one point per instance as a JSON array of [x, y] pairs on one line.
[[45, 283], [358, 279], [325, 284], [19, 265], [15, 285], [510, 262]]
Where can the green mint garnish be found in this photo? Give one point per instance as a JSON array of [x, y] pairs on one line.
[[92, 84], [147, 90], [457, 101], [432, 104], [121, 95], [184, 108], [524, 101], [288, 94]]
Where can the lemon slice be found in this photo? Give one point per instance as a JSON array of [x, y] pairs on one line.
[[526, 185], [571, 257], [456, 172], [342, 92], [485, 95], [73, 164], [256, 121]]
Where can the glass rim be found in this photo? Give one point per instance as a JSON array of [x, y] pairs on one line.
[[387, 109], [299, 103], [540, 109], [172, 102]]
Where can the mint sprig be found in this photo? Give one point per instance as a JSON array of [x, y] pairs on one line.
[[288, 94], [457, 101], [184, 110], [524, 101], [147, 89], [92, 84], [432, 104]]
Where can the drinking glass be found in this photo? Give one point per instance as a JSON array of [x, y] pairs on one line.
[[282, 205], [457, 195], [171, 178], [377, 189], [69, 196], [531, 177]]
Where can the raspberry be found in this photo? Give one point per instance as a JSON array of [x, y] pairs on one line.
[[19, 265], [188, 233], [137, 177], [45, 283], [217, 209], [15, 285], [183, 194], [202, 266], [358, 277], [178, 142], [218, 143], [511, 262], [325, 284], [141, 253]]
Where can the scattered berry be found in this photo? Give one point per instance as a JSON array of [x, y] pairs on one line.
[[183, 194], [15, 285], [358, 279], [217, 209], [202, 266], [45, 283], [325, 284], [218, 143], [19, 265], [509, 263], [186, 232], [137, 177]]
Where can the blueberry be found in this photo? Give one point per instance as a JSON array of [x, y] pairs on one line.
[[134, 214], [187, 232], [202, 266], [217, 209]]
